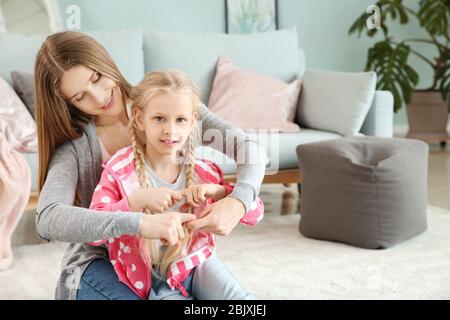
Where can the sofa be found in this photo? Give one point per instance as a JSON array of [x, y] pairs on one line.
[[275, 54]]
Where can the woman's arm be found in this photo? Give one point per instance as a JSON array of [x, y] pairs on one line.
[[58, 219], [250, 157]]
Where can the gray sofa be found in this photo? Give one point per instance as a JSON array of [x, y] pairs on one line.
[[275, 54]]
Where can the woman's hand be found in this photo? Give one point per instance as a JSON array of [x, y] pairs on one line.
[[200, 192], [156, 200], [165, 226], [219, 218]]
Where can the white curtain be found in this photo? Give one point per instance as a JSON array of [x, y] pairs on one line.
[[2, 21], [54, 15]]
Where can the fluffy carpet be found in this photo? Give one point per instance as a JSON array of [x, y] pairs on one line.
[[274, 261]]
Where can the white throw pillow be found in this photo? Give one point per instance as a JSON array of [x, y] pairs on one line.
[[336, 101]]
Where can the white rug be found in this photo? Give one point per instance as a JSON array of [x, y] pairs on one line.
[[274, 261]]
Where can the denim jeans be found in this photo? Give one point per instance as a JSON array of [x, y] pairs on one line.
[[211, 280], [100, 282]]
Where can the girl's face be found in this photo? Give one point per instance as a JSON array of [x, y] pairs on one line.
[[167, 121], [91, 92]]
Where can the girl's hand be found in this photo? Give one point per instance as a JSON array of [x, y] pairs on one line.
[[200, 192], [165, 226], [156, 200], [219, 218]]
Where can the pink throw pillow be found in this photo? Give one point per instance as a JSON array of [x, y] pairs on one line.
[[250, 101], [16, 122]]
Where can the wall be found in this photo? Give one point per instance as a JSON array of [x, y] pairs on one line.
[[166, 15], [25, 16], [322, 26]]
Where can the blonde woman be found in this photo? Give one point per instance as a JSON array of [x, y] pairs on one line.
[[81, 116], [161, 157]]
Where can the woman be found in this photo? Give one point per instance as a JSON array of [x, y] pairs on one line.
[[81, 114]]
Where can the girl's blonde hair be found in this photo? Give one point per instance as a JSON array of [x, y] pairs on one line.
[[57, 119], [170, 81]]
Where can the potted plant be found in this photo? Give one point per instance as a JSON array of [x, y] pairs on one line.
[[427, 109]]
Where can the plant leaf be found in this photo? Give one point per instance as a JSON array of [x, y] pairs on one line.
[[394, 7], [434, 15], [359, 25], [393, 72], [443, 74]]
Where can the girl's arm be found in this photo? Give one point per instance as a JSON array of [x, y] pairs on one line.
[[251, 169], [58, 219], [107, 198]]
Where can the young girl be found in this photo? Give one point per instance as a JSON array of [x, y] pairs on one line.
[[154, 175]]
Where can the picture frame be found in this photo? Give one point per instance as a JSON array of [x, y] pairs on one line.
[[249, 16]]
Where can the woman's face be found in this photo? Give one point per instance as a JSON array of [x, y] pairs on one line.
[[91, 92]]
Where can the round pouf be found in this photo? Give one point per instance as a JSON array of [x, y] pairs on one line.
[[365, 191]]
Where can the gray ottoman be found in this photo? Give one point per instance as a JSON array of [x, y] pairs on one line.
[[364, 191]]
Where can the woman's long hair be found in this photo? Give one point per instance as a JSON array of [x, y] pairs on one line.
[[152, 84], [58, 120]]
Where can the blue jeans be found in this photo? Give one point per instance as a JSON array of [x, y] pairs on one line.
[[100, 282], [211, 280]]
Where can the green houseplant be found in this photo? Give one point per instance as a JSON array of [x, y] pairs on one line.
[[389, 59]]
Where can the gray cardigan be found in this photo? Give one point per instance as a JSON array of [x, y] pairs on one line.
[[76, 165]]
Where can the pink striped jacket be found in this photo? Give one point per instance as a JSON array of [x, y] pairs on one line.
[[119, 179]]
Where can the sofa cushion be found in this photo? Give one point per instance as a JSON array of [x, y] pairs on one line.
[[336, 101], [366, 191], [252, 101], [280, 149], [18, 52], [126, 49], [274, 54], [23, 84]]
